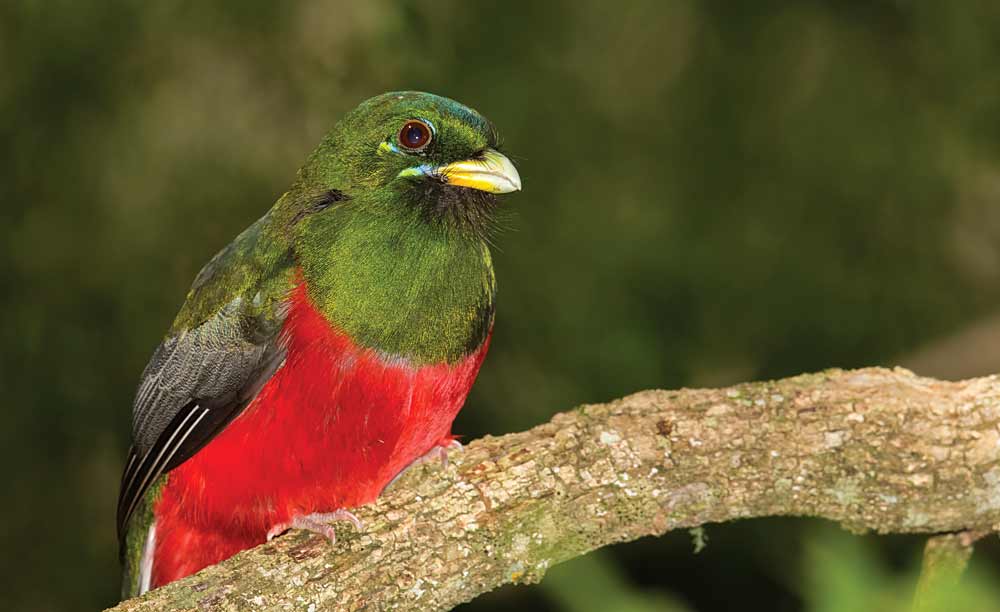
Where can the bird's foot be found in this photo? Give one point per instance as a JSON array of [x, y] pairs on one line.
[[317, 522], [438, 453]]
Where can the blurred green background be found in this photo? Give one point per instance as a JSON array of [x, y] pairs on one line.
[[714, 191]]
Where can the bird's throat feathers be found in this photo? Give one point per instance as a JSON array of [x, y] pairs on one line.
[[396, 284]]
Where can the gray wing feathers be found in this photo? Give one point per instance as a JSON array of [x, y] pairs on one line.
[[212, 361], [194, 384]]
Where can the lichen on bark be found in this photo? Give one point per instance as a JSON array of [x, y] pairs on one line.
[[874, 449]]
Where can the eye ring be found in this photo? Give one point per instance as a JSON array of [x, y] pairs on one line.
[[415, 135]]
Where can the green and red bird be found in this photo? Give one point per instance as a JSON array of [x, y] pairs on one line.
[[324, 350]]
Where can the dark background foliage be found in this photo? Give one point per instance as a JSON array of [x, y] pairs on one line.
[[714, 191]]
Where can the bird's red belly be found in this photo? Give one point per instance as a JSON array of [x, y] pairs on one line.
[[330, 429]]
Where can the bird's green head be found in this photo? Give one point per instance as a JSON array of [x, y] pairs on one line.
[[402, 152], [389, 222]]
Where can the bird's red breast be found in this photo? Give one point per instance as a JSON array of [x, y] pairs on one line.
[[329, 430]]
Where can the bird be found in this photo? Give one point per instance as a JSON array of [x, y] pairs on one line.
[[324, 350]]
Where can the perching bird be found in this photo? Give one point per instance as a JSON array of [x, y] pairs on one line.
[[325, 349]]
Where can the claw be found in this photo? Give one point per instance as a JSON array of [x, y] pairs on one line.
[[438, 453], [442, 451], [317, 522]]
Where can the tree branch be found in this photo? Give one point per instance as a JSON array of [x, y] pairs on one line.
[[876, 450]]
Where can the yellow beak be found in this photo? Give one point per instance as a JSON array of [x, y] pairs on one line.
[[492, 172]]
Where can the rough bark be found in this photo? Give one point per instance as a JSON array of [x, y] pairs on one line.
[[874, 449]]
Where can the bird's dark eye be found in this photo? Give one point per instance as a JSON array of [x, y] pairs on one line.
[[415, 135]]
